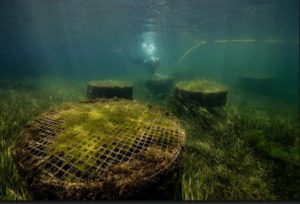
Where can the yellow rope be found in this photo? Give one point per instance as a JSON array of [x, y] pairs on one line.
[[202, 42]]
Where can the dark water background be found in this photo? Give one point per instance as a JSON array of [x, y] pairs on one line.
[[81, 38]]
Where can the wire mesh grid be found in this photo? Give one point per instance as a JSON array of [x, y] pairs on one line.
[[97, 156]]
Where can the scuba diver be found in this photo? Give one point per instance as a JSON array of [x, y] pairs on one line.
[[150, 64]]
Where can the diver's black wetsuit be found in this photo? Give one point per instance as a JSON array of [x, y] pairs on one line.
[[149, 64]]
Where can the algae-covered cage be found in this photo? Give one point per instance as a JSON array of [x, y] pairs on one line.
[[99, 149], [256, 83], [109, 89], [188, 95]]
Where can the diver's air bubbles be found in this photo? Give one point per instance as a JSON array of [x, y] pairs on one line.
[[148, 49], [148, 43]]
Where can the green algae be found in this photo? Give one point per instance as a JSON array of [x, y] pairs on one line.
[[91, 126], [204, 86], [110, 83]]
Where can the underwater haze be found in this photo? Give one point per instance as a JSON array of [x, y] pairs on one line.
[[51, 49], [74, 38]]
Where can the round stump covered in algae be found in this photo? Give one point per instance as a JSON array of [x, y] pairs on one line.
[[109, 89], [160, 85], [99, 149], [201, 93]]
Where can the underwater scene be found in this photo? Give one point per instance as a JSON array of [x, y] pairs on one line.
[[149, 100]]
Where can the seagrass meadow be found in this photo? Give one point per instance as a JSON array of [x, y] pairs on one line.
[[149, 100], [248, 151]]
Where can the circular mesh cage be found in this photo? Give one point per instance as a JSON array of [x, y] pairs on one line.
[[160, 85], [109, 89], [98, 149], [256, 83]]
